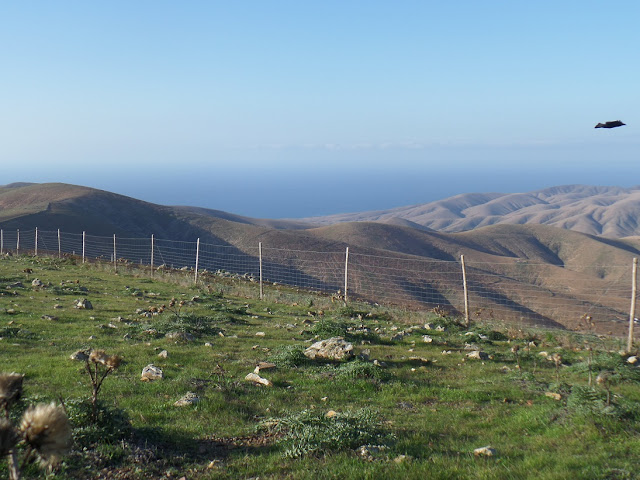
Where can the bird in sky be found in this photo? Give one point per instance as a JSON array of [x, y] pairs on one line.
[[614, 124]]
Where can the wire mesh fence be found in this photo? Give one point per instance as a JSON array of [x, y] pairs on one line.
[[516, 291]]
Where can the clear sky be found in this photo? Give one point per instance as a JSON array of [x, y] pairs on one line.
[[293, 108]]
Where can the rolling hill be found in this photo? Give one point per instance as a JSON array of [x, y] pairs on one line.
[[604, 211], [517, 273]]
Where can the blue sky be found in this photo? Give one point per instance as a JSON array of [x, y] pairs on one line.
[[291, 109]]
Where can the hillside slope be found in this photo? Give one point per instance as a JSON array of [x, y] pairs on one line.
[[612, 212]]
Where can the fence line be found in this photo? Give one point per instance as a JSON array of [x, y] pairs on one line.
[[590, 297]]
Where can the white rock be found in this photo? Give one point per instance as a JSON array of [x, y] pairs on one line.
[[484, 452], [189, 398], [163, 354], [632, 360], [335, 348], [151, 372], [477, 355], [255, 378]]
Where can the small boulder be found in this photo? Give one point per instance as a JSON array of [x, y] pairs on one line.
[[632, 360], [477, 355], [151, 372], [554, 395], [484, 452], [83, 304], [189, 398], [81, 355], [335, 348], [257, 379], [163, 354], [36, 282]]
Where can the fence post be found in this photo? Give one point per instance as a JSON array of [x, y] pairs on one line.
[[346, 274], [152, 255], [36, 243], [1, 242], [260, 257], [83, 244], [115, 265], [59, 245], [632, 311], [197, 258], [18, 242], [466, 292]]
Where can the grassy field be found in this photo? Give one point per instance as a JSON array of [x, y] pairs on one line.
[[418, 408]]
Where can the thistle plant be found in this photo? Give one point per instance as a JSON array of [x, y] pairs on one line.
[[44, 429], [98, 365]]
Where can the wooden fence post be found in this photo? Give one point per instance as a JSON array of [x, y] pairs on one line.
[[1, 242], [346, 274], [152, 245], [632, 310], [83, 244], [59, 245], [260, 257], [115, 265], [18, 242], [197, 259], [466, 292], [36, 243]]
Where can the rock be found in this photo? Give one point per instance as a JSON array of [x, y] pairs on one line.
[[335, 348], [369, 452], [380, 364], [477, 355], [427, 339], [484, 452], [632, 360], [189, 398], [151, 372], [255, 378], [264, 366], [57, 306], [259, 334], [208, 344], [440, 328], [81, 355], [180, 336], [554, 395], [83, 304], [163, 354], [330, 414], [36, 282], [49, 317]]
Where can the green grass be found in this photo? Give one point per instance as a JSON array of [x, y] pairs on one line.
[[424, 412]]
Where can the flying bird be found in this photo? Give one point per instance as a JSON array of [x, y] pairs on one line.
[[614, 124]]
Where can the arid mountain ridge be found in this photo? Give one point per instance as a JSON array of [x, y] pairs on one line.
[[565, 267], [612, 212]]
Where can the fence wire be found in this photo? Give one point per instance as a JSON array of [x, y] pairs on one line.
[[584, 297]]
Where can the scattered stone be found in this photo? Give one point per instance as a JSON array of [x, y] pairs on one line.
[[83, 304], [335, 348], [364, 354], [440, 328], [36, 282], [49, 317], [163, 354], [11, 311], [632, 360], [259, 334], [484, 452], [151, 372], [264, 366], [427, 339], [255, 378], [126, 337], [189, 398], [81, 355], [330, 414], [380, 364], [180, 336], [446, 352], [369, 452], [477, 355], [92, 337], [208, 344], [554, 395], [57, 306]]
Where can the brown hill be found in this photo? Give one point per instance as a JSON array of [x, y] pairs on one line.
[[604, 211], [516, 273]]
